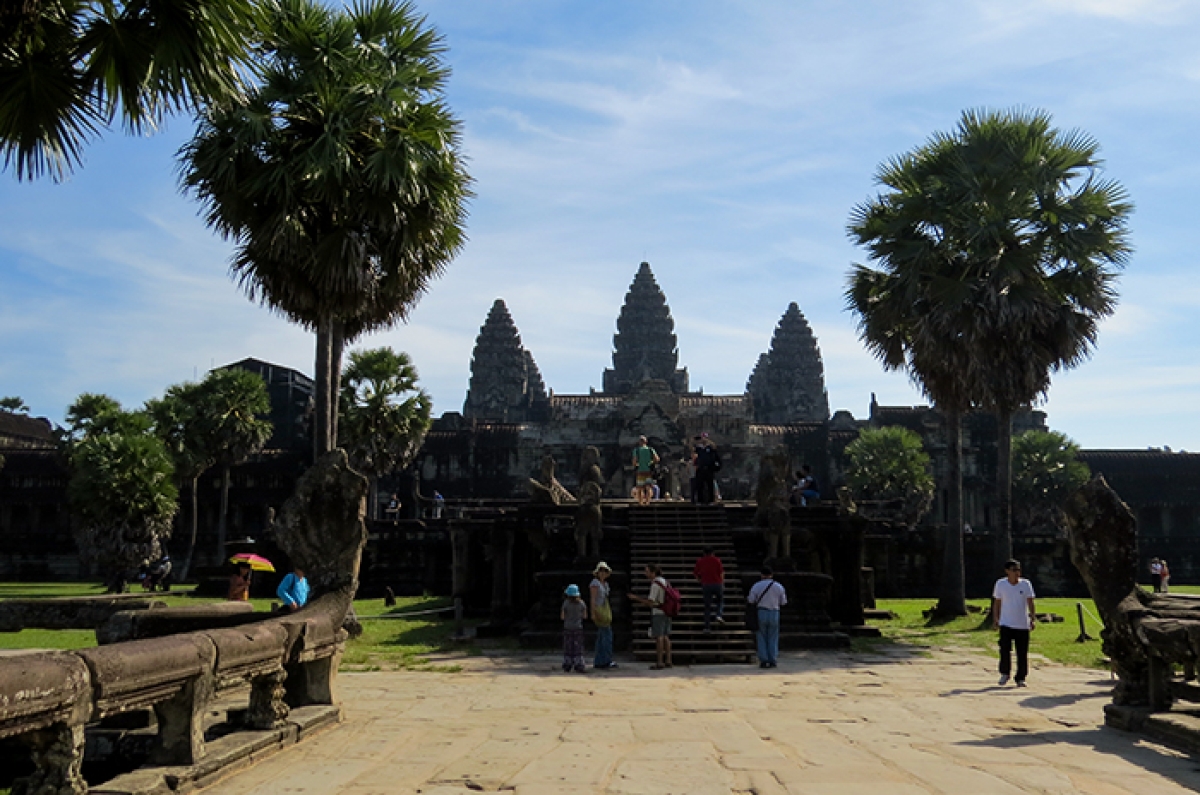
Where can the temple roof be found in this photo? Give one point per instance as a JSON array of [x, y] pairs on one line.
[[645, 343], [788, 382], [505, 380]]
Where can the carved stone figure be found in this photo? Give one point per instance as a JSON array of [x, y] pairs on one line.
[[788, 382], [1144, 634], [590, 471], [771, 495], [589, 522], [547, 490]]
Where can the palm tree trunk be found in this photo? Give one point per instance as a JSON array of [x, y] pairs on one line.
[[1003, 533], [221, 520], [187, 561], [337, 343], [952, 598], [321, 376]]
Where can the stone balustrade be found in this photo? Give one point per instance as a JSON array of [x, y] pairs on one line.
[[47, 699]]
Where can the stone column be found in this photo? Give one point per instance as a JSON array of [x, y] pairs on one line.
[[57, 753], [267, 707], [460, 547], [502, 546]]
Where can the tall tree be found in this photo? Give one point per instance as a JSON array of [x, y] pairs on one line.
[[337, 176], [68, 68], [384, 414], [899, 320], [180, 419], [1004, 241], [14, 405], [231, 404], [121, 489], [1042, 236]]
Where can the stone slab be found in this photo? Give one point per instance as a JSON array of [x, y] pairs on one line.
[[829, 723]]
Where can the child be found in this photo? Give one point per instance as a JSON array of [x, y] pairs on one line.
[[574, 611]]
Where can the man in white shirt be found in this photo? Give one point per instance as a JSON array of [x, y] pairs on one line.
[[1013, 613], [660, 622], [768, 596]]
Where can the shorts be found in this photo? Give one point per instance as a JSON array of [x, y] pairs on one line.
[[660, 625], [645, 479]]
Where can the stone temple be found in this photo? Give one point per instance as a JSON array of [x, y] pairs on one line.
[[509, 420]]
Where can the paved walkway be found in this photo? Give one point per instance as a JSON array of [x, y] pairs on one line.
[[825, 723]]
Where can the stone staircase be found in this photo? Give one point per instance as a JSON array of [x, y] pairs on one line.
[[673, 535]]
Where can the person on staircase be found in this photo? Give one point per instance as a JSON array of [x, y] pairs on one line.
[[711, 573], [660, 622], [644, 461], [769, 596], [708, 464]]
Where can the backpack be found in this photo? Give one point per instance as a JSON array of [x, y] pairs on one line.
[[672, 600]]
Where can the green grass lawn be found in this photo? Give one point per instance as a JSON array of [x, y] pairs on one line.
[[409, 643], [1057, 641], [386, 644]]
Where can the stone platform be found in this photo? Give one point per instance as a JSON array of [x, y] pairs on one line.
[[824, 722]]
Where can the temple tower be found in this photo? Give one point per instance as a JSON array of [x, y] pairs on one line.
[[788, 383], [645, 344], [505, 381]]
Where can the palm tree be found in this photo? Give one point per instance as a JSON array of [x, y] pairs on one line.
[[231, 404], [900, 321], [337, 175], [69, 67], [384, 414], [1045, 235], [179, 419], [1004, 240]]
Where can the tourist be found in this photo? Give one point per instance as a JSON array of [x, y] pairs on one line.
[[602, 616], [1165, 585], [690, 460], [1156, 574], [769, 596], [660, 622], [807, 488], [239, 584], [573, 612], [1014, 615], [393, 508], [293, 591], [439, 503], [644, 460], [708, 463], [711, 573]]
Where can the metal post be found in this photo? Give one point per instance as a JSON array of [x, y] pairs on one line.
[[1083, 636]]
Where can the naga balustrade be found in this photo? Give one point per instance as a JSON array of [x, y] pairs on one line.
[[48, 698]]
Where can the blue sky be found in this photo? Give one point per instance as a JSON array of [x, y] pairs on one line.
[[725, 145]]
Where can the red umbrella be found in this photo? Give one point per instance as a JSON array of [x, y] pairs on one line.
[[255, 562]]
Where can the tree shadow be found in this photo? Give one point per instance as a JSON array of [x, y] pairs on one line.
[[1133, 748]]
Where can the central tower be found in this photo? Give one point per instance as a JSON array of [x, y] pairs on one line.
[[645, 345]]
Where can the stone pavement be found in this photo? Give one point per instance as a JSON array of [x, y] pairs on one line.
[[825, 723]]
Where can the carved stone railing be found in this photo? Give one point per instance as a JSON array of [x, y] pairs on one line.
[[47, 699], [1147, 637], [289, 662]]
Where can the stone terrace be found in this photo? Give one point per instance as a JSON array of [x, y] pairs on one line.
[[824, 723]]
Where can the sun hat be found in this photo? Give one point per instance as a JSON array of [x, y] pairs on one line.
[[572, 590], [602, 566]]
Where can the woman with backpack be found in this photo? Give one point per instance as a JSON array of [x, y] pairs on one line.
[[663, 602]]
